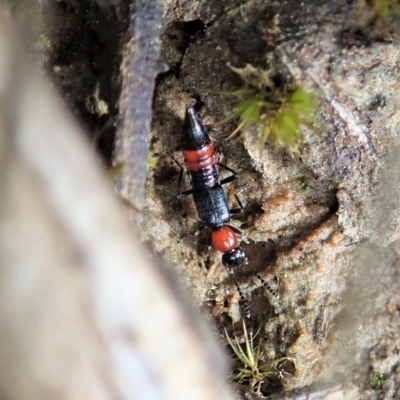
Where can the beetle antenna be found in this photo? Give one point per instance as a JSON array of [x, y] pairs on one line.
[[264, 282], [243, 300]]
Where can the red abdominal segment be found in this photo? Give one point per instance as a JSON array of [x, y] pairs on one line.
[[224, 239], [196, 160]]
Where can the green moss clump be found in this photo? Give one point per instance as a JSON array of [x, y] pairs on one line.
[[304, 188], [377, 379], [276, 109], [332, 185], [152, 161]]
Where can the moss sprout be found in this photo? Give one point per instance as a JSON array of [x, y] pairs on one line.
[[276, 108], [304, 188], [377, 379], [250, 366], [152, 161], [381, 9], [382, 15], [332, 185]]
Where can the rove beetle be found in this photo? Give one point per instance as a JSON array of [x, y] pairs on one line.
[[209, 198], [202, 167]]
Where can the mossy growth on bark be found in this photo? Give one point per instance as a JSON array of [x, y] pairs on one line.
[[275, 104]]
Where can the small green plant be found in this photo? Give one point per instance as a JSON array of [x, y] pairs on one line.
[[152, 161], [250, 367], [383, 15], [382, 8], [377, 379], [332, 185], [43, 42], [179, 252], [304, 188], [276, 109]]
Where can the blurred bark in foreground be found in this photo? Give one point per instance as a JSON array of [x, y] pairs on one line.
[[83, 311]]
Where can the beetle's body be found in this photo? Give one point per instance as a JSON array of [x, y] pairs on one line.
[[209, 197], [202, 167], [212, 206]]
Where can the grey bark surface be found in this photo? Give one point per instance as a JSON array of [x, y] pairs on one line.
[[139, 70]]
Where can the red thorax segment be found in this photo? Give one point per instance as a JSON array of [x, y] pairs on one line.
[[196, 160], [224, 239]]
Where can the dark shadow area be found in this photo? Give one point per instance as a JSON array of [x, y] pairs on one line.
[[85, 62]]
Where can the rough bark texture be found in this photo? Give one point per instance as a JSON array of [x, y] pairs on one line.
[[139, 70], [307, 216], [322, 227]]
